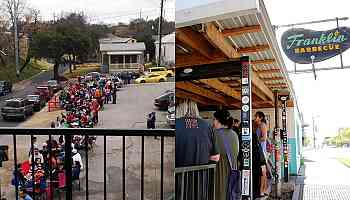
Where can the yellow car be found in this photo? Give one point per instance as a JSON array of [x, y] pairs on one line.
[[161, 70], [151, 78]]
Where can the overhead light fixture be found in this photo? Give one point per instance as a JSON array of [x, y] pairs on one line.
[[188, 70]]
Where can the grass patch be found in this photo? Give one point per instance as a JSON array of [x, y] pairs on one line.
[[345, 161], [8, 72], [80, 71]]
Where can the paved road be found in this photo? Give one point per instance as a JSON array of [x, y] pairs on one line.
[[27, 89], [326, 178]]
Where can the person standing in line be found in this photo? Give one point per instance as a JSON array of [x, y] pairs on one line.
[[114, 93], [195, 145], [261, 133], [228, 143]]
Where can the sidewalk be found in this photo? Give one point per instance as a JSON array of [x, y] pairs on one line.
[[325, 177]]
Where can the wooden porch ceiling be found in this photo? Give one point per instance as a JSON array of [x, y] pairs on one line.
[[207, 45]]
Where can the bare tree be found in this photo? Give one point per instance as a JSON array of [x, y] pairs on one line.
[[15, 10]]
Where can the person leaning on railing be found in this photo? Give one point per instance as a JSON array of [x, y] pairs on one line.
[[195, 145], [195, 138]]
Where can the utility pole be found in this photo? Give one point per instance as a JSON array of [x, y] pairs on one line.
[[160, 32], [313, 131], [15, 13]]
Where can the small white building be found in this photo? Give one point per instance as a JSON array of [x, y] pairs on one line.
[[122, 54], [168, 49]]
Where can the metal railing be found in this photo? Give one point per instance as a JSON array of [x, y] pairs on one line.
[[195, 182], [69, 133]]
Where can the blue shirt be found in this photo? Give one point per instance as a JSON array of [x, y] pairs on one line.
[[27, 197]]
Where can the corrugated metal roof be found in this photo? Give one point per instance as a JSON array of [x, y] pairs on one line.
[[115, 39], [138, 46]]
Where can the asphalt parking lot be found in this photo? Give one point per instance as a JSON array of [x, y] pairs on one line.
[[133, 104]]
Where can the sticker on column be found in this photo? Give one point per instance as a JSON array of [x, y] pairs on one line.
[[245, 99], [245, 80], [245, 182], [245, 108], [246, 162], [245, 90], [245, 131]]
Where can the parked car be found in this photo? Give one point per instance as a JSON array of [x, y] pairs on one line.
[[165, 100], [161, 70], [37, 101], [45, 92], [5, 87], [171, 116], [54, 85], [151, 78], [17, 108]]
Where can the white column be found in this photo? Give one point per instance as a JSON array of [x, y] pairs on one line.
[[124, 61]]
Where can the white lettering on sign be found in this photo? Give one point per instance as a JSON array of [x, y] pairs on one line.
[[245, 182]]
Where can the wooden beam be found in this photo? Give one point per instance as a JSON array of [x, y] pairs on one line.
[[241, 30], [253, 49], [258, 62], [194, 40], [273, 79], [186, 95], [190, 87], [216, 38], [216, 84], [260, 85], [183, 60], [269, 71], [276, 84], [259, 93]]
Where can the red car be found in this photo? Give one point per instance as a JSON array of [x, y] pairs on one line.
[[45, 92]]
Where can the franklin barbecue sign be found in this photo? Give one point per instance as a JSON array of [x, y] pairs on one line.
[[303, 45]]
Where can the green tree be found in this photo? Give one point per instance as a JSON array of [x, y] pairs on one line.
[[51, 45]]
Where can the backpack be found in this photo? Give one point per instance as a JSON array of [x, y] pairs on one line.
[[234, 178]]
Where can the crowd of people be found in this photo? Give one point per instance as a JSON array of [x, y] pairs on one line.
[[199, 142], [43, 172], [83, 100]]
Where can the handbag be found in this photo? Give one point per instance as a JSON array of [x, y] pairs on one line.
[[234, 178]]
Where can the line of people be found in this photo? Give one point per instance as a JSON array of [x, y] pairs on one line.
[[44, 171], [199, 142]]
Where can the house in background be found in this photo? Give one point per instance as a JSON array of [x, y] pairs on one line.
[[168, 50], [122, 54]]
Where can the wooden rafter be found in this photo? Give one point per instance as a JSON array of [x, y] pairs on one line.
[[273, 79], [267, 61], [183, 60], [192, 88], [216, 38], [269, 71], [194, 40], [186, 95], [241, 30], [260, 85], [253, 49], [216, 84]]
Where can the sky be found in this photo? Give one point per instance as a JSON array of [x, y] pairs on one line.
[[327, 98], [105, 11]]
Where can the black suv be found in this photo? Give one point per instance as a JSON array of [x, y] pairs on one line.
[[5, 87], [17, 108]]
